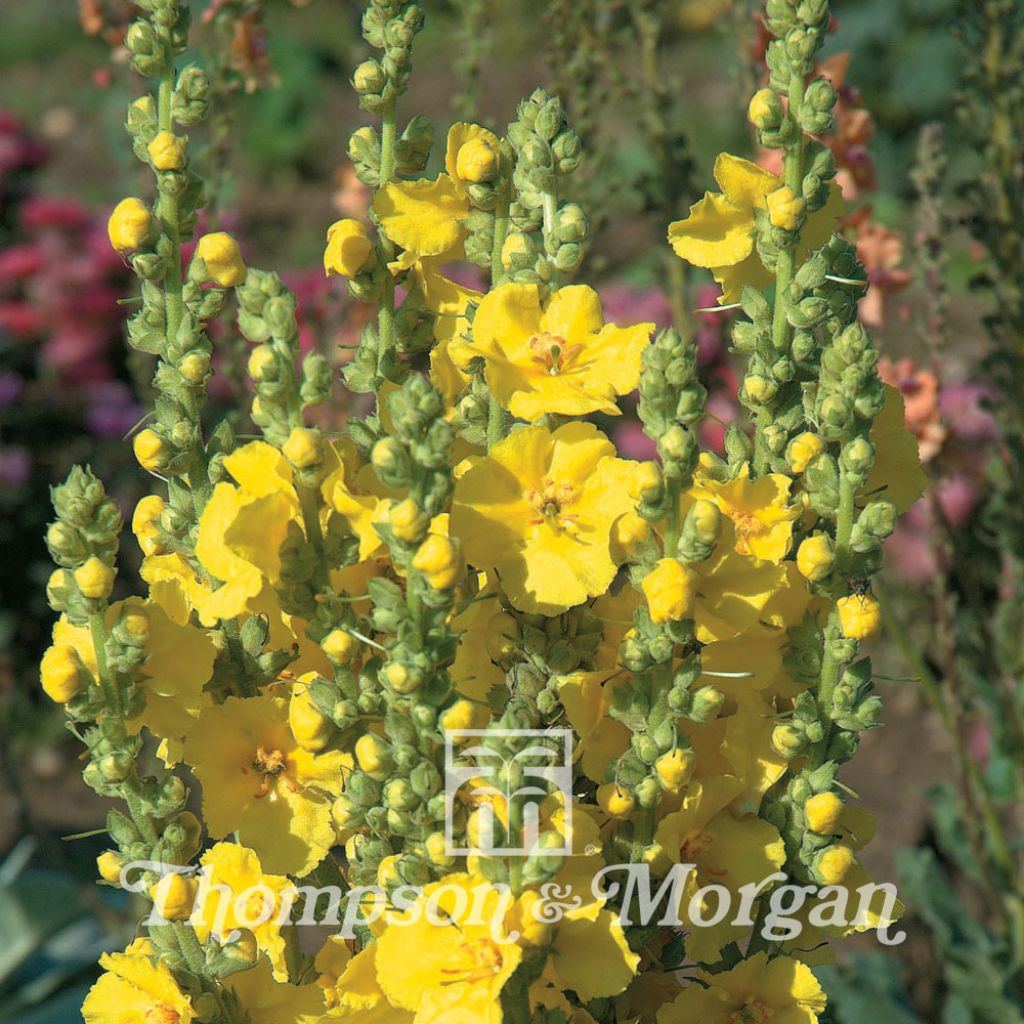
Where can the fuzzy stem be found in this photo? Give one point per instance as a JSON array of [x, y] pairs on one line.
[[386, 312]]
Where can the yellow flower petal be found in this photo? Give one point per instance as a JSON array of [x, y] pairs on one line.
[[423, 217], [715, 234]]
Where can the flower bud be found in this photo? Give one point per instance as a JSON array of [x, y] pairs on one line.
[[823, 811], [373, 756], [95, 579], [803, 449], [369, 77], [670, 590], [222, 258], [262, 365], [438, 559], [788, 741], [340, 646], [615, 801], [195, 367], [304, 448], [765, 110], [174, 896], [815, 557], [675, 769], [109, 865], [707, 703], [311, 728], [646, 484], [349, 248], [477, 160], [130, 226], [785, 209], [833, 864], [151, 450], [408, 521], [61, 673], [167, 151], [860, 616]]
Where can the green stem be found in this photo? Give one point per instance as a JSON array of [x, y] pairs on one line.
[[496, 422], [191, 949], [98, 632], [386, 312], [673, 521], [501, 226], [550, 209]]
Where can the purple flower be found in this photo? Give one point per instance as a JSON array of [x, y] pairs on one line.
[[112, 409]]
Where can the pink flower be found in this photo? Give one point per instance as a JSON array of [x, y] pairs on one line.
[[46, 212]]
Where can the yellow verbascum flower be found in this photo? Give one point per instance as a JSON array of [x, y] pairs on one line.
[[538, 511], [756, 989], [259, 783], [720, 231], [229, 870], [554, 357], [761, 515], [136, 988], [586, 697], [264, 1000], [727, 850], [896, 473], [350, 985]]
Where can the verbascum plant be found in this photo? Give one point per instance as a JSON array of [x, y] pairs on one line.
[[637, 674]]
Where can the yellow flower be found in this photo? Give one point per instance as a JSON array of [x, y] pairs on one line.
[[815, 557], [586, 697], [167, 151], [755, 990], [720, 231], [455, 970], [259, 783], [424, 217], [151, 450], [538, 510], [860, 616], [304, 447], [353, 490], [555, 358], [95, 579], [130, 225], [471, 154], [670, 589], [675, 769], [759, 509], [762, 107], [222, 258], [310, 727], [897, 473], [229, 871], [109, 865], [726, 850], [136, 989], [350, 985], [348, 248], [615, 801], [265, 1000], [484, 629], [60, 673]]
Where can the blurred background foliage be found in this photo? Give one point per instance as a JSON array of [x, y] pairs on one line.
[[928, 144]]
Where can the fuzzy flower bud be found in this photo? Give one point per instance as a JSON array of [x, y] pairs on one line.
[[369, 77], [174, 896], [815, 557], [130, 226], [860, 616], [339, 646], [151, 450], [647, 484], [785, 208], [145, 523], [823, 811], [615, 801], [803, 449], [220, 254], [675, 769], [109, 865], [95, 579], [372, 756], [262, 365], [477, 160], [765, 110], [303, 449], [61, 673], [833, 864], [670, 590], [167, 151], [311, 728], [349, 248], [408, 521], [463, 714], [438, 559], [515, 245]]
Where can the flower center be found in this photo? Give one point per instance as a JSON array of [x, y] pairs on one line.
[[551, 503], [753, 1011], [694, 846], [747, 526], [161, 1015], [552, 352], [268, 765], [481, 960]]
